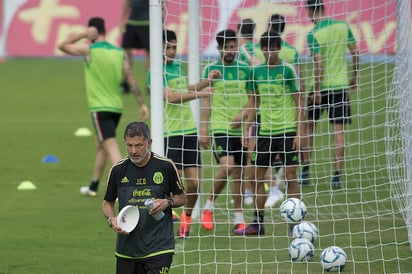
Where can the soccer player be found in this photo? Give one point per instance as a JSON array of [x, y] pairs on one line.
[[289, 54], [134, 26], [222, 116], [103, 68], [143, 175], [277, 96], [180, 131], [328, 43], [247, 49]]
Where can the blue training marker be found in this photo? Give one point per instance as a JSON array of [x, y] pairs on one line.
[[50, 159]]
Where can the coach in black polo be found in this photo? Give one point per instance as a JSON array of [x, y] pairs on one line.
[[143, 175]]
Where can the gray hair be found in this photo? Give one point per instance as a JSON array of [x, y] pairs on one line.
[[137, 129]]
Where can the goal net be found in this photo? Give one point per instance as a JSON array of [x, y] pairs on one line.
[[370, 216]]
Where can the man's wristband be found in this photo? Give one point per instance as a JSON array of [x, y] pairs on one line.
[[170, 202], [109, 221]]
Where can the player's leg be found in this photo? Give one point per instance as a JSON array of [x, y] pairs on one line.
[[192, 189], [105, 124], [275, 194], [339, 153], [99, 165], [339, 115], [226, 163], [249, 190], [261, 163], [128, 44], [239, 221], [314, 112], [144, 43]]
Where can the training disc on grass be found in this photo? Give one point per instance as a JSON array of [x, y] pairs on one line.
[[128, 218], [82, 132], [26, 185]]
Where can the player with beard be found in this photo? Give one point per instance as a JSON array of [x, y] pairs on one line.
[[221, 118]]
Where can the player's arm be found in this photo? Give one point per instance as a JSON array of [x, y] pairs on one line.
[[298, 97], [179, 199], [144, 112], [70, 46], [205, 112], [318, 71], [242, 115], [355, 66], [179, 97], [252, 105], [110, 215], [200, 85]]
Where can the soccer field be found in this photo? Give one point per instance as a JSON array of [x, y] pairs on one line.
[[55, 230]]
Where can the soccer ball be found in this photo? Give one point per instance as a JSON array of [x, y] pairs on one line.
[[300, 250], [306, 230], [292, 211], [333, 258]]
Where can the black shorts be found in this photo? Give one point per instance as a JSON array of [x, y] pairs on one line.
[[267, 147], [105, 124], [336, 102], [184, 151], [153, 265], [225, 145], [136, 37]]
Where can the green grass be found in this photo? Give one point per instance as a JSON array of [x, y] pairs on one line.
[[55, 230]]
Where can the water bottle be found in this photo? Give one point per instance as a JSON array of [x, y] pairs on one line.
[[149, 204]]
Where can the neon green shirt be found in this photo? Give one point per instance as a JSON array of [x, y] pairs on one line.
[[229, 97], [178, 117], [103, 76], [331, 38], [275, 87]]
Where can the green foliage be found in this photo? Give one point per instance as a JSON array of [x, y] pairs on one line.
[[55, 230]]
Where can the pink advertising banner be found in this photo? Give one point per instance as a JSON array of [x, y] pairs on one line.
[[35, 27]]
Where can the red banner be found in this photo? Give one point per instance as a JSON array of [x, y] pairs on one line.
[[35, 27]]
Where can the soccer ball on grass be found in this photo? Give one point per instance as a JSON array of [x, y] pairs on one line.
[[306, 230], [292, 211], [333, 258], [300, 250]]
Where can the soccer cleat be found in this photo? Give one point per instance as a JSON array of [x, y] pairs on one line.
[[184, 227], [238, 227], [274, 198], [253, 229], [207, 219], [304, 179], [85, 190], [336, 182]]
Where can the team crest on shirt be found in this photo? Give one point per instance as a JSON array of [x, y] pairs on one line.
[[279, 78], [242, 74], [158, 178]]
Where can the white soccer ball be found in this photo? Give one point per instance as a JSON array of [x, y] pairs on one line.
[[333, 258], [300, 250], [306, 230], [292, 211]]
